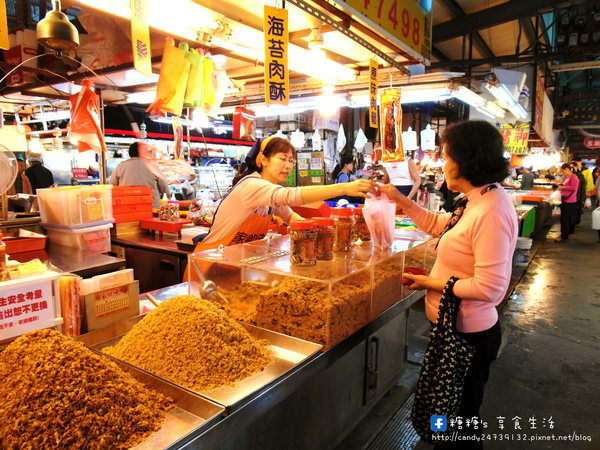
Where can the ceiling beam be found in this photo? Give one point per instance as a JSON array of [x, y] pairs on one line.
[[528, 28], [490, 17], [439, 55], [457, 11]]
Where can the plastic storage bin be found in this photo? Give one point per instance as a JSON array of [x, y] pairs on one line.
[[324, 303], [75, 206], [94, 239]]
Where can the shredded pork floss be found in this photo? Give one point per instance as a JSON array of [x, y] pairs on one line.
[[193, 343], [56, 393]]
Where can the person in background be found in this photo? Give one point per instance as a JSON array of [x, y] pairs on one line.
[[21, 184], [404, 175], [476, 245], [526, 179], [581, 192], [341, 173], [93, 171], [135, 172], [568, 208], [38, 175]]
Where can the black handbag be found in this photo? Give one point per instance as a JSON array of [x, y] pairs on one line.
[[447, 359]]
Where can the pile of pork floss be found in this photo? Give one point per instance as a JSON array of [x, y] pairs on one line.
[[193, 343], [56, 393]]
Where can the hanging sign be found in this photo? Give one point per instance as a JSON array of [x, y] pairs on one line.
[[4, 45], [140, 37], [540, 90], [516, 138], [277, 79], [407, 23], [373, 66]]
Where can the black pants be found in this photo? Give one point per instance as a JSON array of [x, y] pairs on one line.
[[568, 218], [487, 344], [578, 212]]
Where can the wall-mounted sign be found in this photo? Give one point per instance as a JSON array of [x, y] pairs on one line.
[[3, 27], [592, 142], [515, 138], [407, 23], [277, 77]]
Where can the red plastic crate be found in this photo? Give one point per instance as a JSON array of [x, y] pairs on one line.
[[122, 191], [20, 245], [133, 200], [132, 217]]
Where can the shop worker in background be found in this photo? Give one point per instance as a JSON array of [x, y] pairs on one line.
[[256, 195], [21, 184], [136, 172], [38, 175], [404, 175], [526, 179], [568, 208]]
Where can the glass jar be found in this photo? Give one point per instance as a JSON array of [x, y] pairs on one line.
[[325, 230], [343, 234], [303, 243], [361, 230]]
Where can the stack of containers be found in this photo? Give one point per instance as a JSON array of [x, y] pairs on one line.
[[131, 203], [78, 217]]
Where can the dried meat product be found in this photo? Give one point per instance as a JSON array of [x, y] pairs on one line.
[[193, 343], [56, 393], [391, 124], [308, 310]]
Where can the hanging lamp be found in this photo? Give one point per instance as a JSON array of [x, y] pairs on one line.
[[55, 32]]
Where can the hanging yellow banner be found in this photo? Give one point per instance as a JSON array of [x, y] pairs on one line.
[[3, 27], [373, 67], [140, 37], [277, 77], [516, 138]]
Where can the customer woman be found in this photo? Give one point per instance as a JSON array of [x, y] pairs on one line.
[[476, 245], [245, 212], [568, 208]]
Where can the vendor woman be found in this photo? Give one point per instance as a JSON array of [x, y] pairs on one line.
[[256, 195]]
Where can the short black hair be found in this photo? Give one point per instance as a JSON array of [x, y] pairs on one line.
[[566, 166], [134, 150], [577, 158], [477, 148]]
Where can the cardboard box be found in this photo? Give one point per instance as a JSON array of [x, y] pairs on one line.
[[108, 306]]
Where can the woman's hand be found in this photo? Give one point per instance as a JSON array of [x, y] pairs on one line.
[[395, 195], [420, 282], [359, 188]]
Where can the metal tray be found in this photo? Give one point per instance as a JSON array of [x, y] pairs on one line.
[[288, 352], [191, 411]]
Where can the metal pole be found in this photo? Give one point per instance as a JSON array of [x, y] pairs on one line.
[[102, 162]]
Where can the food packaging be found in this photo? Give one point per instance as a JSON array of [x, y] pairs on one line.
[[380, 215], [390, 125]]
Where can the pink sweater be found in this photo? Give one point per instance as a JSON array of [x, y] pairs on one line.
[[478, 251], [251, 195]]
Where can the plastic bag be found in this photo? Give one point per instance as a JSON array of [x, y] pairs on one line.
[[380, 215], [172, 82], [587, 203], [596, 219]]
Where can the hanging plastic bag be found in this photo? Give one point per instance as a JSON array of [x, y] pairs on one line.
[[193, 89], [587, 203], [174, 71], [85, 120], [208, 89], [390, 124], [244, 122], [380, 216]]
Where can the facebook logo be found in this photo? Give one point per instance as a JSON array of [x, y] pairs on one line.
[[438, 423]]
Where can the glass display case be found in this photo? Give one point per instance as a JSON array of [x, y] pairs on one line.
[[257, 284]]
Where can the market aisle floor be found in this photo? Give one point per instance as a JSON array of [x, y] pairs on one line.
[[548, 369]]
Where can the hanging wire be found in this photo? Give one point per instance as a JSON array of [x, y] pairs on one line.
[[19, 65]]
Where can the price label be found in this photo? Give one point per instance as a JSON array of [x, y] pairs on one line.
[[407, 22]]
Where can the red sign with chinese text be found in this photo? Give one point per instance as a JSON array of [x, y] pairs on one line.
[[592, 142]]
